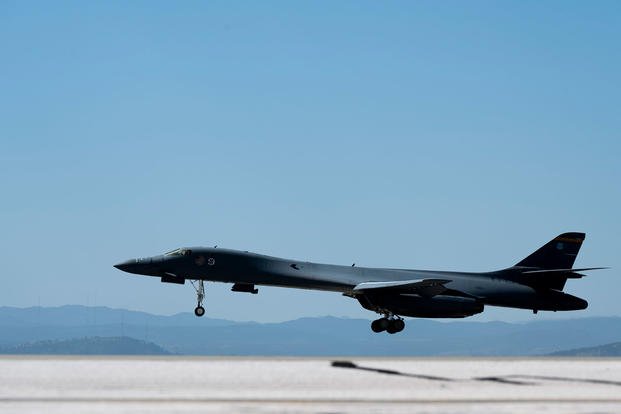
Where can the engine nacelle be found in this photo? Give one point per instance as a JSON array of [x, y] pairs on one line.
[[407, 304]]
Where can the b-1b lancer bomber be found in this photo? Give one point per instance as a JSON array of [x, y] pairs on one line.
[[535, 283]]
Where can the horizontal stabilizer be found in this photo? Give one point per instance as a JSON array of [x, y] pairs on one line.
[[424, 287], [563, 270], [555, 278]]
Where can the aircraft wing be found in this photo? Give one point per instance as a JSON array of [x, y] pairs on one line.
[[423, 287]]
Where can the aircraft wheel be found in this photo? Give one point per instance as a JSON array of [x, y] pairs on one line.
[[379, 325], [199, 311], [399, 324], [395, 325]]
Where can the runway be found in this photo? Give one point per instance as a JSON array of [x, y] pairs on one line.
[[308, 385]]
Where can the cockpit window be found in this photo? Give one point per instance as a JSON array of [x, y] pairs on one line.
[[179, 252]]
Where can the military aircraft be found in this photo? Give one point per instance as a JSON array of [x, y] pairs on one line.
[[535, 283]]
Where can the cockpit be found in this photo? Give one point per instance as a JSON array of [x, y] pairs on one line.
[[179, 252]]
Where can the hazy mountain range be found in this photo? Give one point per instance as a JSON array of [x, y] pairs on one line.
[[607, 350], [116, 345], [185, 334]]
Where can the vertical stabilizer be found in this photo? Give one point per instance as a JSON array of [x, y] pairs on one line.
[[558, 253]]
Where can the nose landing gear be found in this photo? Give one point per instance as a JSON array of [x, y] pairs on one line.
[[200, 296]]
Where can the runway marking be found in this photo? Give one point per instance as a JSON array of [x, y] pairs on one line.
[[79, 400], [503, 379]]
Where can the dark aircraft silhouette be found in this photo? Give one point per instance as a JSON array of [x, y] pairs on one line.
[[534, 283]]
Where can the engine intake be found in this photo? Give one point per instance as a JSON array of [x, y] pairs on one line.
[[173, 279], [244, 287]]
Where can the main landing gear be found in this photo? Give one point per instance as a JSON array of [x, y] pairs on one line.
[[389, 323], [200, 295]]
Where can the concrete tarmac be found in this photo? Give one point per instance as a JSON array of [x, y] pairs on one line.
[[53, 385]]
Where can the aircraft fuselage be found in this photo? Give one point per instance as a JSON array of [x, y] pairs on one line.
[[232, 266]]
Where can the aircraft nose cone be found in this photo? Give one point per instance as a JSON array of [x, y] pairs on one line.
[[141, 266], [126, 266]]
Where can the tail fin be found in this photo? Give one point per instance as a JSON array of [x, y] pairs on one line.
[[558, 253]]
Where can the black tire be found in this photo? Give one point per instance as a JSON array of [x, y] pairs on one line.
[[199, 311], [399, 324], [379, 325], [395, 325]]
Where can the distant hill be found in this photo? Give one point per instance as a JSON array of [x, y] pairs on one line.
[[88, 346], [186, 334], [608, 350], [77, 315]]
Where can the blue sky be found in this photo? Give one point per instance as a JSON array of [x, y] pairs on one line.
[[434, 135]]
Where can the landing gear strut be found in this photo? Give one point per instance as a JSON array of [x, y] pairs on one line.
[[389, 323], [200, 295]]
